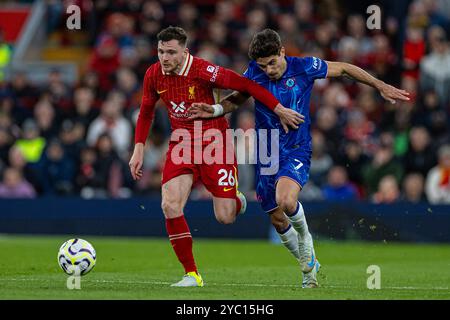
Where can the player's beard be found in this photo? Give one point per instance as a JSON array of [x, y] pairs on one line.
[[175, 68]]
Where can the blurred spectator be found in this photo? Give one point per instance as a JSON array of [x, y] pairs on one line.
[[5, 55], [348, 50], [413, 51], [304, 12], [57, 170], [311, 192], [388, 191], [437, 185], [86, 178], [91, 80], [354, 160], [109, 168], [327, 123], [127, 83], [60, 93], [358, 127], [435, 67], [6, 141], [382, 59], [383, 164], [24, 93], [436, 16], [16, 160], [31, 143], [112, 122], [321, 161], [356, 26], [105, 61], [413, 188], [45, 117], [338, 187], [420, 156], [119, 27], [83, 111], [72, 138], [14, 185]]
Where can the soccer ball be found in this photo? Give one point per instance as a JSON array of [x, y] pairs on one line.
[[76, 257]]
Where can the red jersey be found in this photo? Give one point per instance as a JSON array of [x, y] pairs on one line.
[[194, 83]]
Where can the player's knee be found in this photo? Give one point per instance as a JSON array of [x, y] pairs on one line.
[[287, 203], [171, 209]]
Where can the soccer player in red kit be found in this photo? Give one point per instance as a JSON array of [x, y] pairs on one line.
[[180, 79]]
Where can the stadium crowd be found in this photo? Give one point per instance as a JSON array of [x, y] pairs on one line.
[[57, 139]]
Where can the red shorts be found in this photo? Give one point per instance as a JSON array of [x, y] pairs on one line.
[[219, 179]]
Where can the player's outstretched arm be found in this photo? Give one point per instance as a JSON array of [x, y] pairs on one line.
[[288, 117], [228, 79], [388, 92]]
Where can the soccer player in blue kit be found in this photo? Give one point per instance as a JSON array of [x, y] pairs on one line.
[[290, 79]]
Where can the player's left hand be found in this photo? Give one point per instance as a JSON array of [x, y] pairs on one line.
[[288, 117], [392, 94], [200, 110]]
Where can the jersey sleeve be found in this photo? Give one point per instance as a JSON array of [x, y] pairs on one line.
[[146, 112], [223, 78], [315, 68]]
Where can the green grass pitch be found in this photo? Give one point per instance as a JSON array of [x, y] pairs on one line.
[[232, 269]]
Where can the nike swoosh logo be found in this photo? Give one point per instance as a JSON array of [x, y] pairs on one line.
[[162, 91], [312, 262], [227, 189]]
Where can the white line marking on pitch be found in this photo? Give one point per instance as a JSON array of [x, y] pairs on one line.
[[234, 284]]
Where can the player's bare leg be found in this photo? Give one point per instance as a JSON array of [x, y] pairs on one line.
[[175, 193], [287, 191], [227, 209]]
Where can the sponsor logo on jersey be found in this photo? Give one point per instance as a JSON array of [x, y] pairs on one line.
[[210, 69], [316, 63], [178, 107]]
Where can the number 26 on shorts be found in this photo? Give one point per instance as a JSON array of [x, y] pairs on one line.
[[227, 178]]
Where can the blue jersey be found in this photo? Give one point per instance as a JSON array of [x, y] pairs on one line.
[[293, 90]]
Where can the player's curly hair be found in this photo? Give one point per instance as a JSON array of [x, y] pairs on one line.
[[265, 44], [173, 33]]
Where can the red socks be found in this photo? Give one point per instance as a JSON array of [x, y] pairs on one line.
[[181, 239]]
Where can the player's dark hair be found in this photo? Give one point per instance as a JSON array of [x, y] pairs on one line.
[[173, 33], [265, 44]]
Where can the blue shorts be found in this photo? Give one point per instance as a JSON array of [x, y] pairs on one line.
[[295, 166]]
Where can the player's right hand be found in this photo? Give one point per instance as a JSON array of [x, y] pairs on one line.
[[137, 159], [288, 117], [201, 110]]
